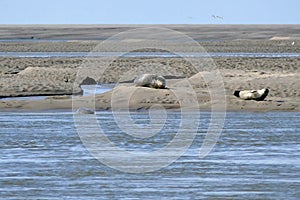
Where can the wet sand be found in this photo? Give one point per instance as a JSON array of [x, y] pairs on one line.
[[56, 76]]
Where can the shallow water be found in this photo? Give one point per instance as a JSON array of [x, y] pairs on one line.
[[87, 90], [256, 157], [96, 89], [30, 40], [146, 54]]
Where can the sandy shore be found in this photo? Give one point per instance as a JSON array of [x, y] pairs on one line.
[[56, 76], [245, 45], [281, 75], [214, 38]]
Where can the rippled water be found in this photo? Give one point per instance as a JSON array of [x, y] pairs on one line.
[[256, 157]]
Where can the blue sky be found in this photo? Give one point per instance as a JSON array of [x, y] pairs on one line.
[[150, 12]]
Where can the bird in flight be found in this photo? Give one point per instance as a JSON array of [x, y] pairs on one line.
[[217, 17]]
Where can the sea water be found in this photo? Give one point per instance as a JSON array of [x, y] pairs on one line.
[[257, 156]]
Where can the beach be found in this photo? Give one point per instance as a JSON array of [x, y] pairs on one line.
[[62, 136], [57, 77]]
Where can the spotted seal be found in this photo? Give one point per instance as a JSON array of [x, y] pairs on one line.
[[258, 95]]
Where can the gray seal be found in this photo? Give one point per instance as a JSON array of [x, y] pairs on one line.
[[83, 111], [150, 80]]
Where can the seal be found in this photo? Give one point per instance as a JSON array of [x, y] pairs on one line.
[[150, 80], [258, 95], [83, 111]]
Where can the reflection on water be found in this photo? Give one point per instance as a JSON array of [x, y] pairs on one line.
[[256, 157], [40, 97], [96, 89]]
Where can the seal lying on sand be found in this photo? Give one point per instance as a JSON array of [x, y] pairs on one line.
[[150, 80], [258, 95]]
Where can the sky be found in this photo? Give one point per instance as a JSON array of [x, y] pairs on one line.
[[150, 12]]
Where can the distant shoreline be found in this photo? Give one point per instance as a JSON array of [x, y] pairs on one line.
[[195, 31], [56, 76]]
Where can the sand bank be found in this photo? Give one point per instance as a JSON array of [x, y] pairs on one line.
[[56, 76], [280, 75]]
